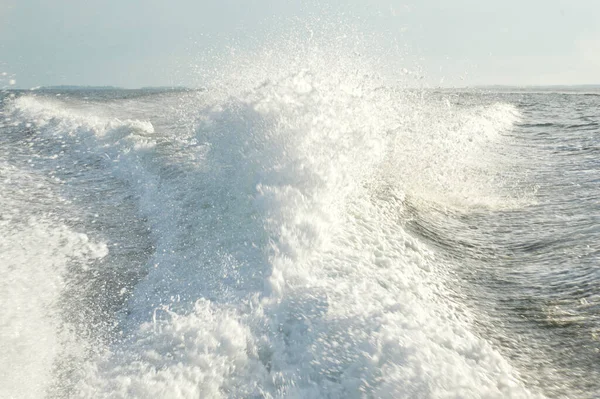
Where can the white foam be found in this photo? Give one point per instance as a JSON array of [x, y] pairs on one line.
[[35, 251], [45, 111], [281, 266]]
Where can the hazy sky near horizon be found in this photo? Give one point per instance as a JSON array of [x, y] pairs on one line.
[[134, 43]]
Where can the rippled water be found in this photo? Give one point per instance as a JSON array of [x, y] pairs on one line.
[[534, 271]]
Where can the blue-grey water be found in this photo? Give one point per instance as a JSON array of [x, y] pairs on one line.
[[317, 235]]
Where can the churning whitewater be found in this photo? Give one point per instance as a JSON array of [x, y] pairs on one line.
[[297, 235]]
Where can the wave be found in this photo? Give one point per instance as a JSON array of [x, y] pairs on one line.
[[584, 126], [281, 265], [36, 249]]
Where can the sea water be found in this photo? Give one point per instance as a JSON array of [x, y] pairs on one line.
[[316, 233]]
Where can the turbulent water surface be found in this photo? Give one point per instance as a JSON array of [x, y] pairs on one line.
[[315, 235]]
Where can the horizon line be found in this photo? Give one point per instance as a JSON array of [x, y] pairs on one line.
[[180, 87]]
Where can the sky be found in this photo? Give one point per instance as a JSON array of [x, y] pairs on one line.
[[136, 43]]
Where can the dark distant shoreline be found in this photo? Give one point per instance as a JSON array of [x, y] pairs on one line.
[[110, 88], [540, 87]]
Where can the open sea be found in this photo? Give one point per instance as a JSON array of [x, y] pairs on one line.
[[314, 235]]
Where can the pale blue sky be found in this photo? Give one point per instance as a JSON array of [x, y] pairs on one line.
[[133, 43]]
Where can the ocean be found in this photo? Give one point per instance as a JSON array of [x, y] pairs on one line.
[[316, 235]]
